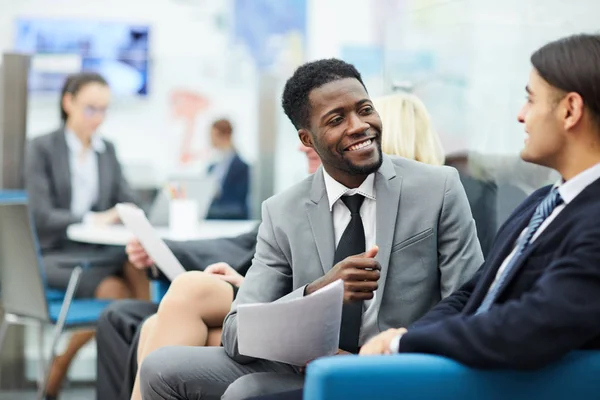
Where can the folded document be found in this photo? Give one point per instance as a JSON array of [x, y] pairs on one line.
[[293, 331], [135, 220]]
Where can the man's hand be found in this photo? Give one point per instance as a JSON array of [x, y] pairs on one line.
[[380, 344], [137, 255], [224, 272], [360, 274]]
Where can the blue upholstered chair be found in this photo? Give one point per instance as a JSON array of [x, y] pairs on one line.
[[424, 377], [25, 297]]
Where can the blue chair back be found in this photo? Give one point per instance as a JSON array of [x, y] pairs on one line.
[[158, 290], [21, 275]]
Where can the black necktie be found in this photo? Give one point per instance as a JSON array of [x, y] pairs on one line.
[[351, 243]]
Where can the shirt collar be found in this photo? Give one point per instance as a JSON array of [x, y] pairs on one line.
[[335, 190], [570, 189], [76, 146]]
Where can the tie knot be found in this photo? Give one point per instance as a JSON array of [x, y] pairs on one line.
[[556, 197], [353, 203]]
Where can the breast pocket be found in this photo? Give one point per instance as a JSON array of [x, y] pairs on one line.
[[411, 240], [412, 269]]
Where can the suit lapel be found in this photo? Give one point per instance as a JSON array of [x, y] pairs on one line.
[[388, 186], [61, 169], [321, 221], [564, 215], [512, 231]]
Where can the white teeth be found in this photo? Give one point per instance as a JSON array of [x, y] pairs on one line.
[[360, 145]]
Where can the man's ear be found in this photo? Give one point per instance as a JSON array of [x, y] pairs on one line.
[[306, 138], [573, 104]]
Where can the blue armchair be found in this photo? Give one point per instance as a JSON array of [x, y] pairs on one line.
[[423, 377]]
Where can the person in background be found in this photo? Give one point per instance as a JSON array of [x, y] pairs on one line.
[[407, 129], [189, 306], [231, 173], [408, 132], [73, 176]]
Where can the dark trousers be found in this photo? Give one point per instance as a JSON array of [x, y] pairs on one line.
[[117, 336]]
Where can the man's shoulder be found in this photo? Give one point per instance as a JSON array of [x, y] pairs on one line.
[[292, 197], [425, 174]]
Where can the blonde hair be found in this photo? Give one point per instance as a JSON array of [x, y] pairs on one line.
[[407, 130]]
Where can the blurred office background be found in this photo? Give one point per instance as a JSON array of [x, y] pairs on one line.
[[177, 65]]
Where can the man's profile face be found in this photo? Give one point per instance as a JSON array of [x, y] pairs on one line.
[[345, 129], [543, 124]]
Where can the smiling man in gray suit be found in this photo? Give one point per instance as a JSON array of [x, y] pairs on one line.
[[397, 232]]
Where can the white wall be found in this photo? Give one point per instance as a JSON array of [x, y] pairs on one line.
[[487, 43]]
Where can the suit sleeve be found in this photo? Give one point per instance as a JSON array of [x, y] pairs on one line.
[[560, 313], [48, 219], [123, 192], [268, 279], [459, 252]]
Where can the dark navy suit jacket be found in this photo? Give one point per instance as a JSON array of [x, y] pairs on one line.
[[549, 305], [232, 200]]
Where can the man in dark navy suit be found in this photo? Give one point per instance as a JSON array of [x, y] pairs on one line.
[[231, 173], [537, 296]]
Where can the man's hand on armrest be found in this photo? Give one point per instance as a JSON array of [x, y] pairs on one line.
[[381, 344]]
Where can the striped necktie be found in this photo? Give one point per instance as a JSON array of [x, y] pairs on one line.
[[543, 211]]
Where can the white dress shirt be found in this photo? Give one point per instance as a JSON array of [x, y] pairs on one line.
[[341, 218], [568, 191], [83, 164]]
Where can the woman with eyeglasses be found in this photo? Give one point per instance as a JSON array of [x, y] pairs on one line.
[[73, 176]]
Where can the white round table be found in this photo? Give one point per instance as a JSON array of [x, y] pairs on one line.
[[118, 235]]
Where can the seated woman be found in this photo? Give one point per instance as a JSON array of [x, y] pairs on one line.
[[196, 304], [73, 176]]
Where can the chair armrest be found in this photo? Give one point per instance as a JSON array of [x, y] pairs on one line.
[[421, 377]]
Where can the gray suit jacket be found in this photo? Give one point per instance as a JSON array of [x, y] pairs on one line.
[[48, 183], [425, 232]]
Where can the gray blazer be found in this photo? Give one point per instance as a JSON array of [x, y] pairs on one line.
[[426, 235], [48, 183]]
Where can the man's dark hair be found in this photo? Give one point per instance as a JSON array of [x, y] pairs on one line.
[[572, 64], [223, 126], [311, 76], [74, 83]]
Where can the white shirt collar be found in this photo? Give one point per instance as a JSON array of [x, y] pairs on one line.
[[335, 190], [76, 146], [571, 188]]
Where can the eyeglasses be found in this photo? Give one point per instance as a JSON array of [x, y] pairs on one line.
[[91, 111]]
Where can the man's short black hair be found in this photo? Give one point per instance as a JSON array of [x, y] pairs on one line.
[[572, 64], [311, 76]]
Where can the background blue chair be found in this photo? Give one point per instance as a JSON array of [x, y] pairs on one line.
[[25, 297], [424, 377], [158, 289]]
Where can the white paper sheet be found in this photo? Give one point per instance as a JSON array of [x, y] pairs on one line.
[[294, 331], [135, 220]]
